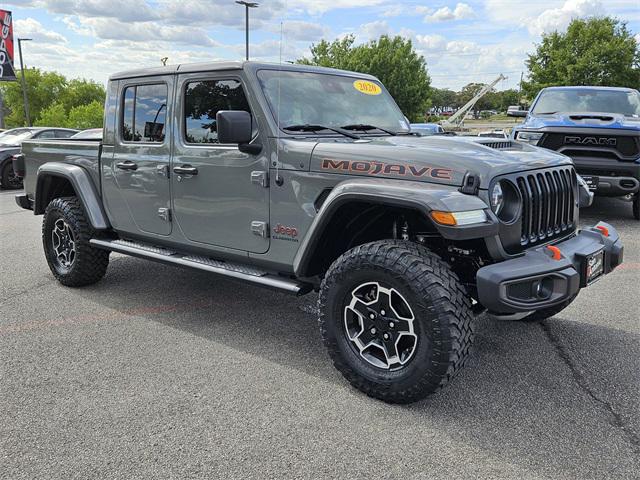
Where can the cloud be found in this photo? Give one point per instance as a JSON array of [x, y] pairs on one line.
[[559, 18], [431, 42], [445, 14], [315, 7], [301, 31], [31, 28], [373, 30]]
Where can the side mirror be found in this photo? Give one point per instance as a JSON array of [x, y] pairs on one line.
[[517, 113], [234, 126]]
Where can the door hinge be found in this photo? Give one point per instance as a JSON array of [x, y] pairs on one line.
[[165, 214], [260, 178], [260, 229]]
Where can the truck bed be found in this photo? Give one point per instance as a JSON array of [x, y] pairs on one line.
[[85, 153]]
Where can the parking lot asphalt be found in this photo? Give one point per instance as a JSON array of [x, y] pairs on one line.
[[160, 372]]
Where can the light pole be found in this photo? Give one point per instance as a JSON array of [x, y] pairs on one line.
[[247, 6], [24, 83]]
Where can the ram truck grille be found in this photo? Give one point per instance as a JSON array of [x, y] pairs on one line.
[[615, 147], [548, 204]]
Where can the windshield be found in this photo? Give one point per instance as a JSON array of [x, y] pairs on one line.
[[300, 98], [588, 100], [14, 138]]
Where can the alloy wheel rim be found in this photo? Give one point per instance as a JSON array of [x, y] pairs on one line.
[[379, 324], [64, 244]]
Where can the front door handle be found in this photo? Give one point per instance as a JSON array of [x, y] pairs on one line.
[[185, 169], [127, 165]]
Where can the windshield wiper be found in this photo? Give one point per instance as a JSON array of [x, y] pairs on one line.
[[365, 128], [306, 127]]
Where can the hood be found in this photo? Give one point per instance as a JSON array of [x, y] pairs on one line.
[[7, 148], [583, 120], [434, 159]]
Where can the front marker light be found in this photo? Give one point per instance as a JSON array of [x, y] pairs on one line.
[[459, 218], [532, 138]]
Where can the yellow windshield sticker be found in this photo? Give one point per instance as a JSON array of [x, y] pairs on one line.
[[367, 87]]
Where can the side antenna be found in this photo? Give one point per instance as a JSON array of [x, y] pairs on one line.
[[279, 180]]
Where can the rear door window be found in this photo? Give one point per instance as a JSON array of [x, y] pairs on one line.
[[144, 113]]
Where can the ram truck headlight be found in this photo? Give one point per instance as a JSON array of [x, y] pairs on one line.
[[496, 198], [532, 138], [459, 219]]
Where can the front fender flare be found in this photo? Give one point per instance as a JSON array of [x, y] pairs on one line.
[[82, 185], [423, 197]]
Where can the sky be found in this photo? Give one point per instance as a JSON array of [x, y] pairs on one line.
[[462, 42]]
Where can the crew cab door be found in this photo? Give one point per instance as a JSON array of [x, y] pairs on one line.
[[216, 199], [136, 178]]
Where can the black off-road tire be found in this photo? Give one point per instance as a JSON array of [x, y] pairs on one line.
[[443, 320], [89, 264], [8, 180], [636, 206], [548, 312]]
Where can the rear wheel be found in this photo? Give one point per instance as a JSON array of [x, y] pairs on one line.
[[8, 178], [395, 319], [65, 237]]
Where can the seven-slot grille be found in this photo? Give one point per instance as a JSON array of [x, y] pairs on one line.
[[548, 204]]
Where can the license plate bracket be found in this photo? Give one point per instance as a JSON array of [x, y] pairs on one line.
[[592, 267]]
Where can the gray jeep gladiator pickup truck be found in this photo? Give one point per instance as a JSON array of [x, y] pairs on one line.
[[302, 178]]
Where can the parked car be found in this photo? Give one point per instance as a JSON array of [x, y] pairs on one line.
[[89, 134], [495, 133], [302, 178], [598, 127], [10, 141], [426, 129]]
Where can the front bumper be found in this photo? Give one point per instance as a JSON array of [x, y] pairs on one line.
[[537, 280], [614, 179]]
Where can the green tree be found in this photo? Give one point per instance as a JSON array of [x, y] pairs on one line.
[[595, 51], [52, 116], [392, 60], [443, 99], [86, 116], [47, 91], [43, 89]]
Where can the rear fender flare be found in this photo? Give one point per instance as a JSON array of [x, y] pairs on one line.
[[82, 185], [421, 197]]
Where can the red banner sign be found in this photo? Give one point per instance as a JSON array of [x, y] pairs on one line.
[[7, 71]]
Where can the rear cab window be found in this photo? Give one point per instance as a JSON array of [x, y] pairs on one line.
[[144, 112]]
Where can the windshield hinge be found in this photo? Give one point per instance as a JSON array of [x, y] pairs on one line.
[[470, 183]]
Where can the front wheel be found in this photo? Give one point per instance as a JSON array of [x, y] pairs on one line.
[[395, 319], [65, 237]]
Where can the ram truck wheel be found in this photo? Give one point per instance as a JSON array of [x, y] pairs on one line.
[[65, 237], [395, 319]]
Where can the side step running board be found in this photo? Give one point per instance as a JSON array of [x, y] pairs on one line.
[[228, 269]]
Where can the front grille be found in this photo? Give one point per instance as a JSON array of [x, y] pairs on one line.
[[548, 204], [624, 146]]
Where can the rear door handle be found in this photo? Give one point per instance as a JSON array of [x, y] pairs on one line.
[[127, 165], [185, 169]]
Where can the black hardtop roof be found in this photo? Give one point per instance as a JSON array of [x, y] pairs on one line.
[[220, 66]]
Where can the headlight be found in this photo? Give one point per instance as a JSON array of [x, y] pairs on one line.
[[496, 198], [532, 138], [468, 217]]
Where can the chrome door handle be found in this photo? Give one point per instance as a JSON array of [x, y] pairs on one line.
[[127, 165], [185, 170]]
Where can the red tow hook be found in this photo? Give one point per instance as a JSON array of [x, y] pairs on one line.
[[556, 254], [604, 230]]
